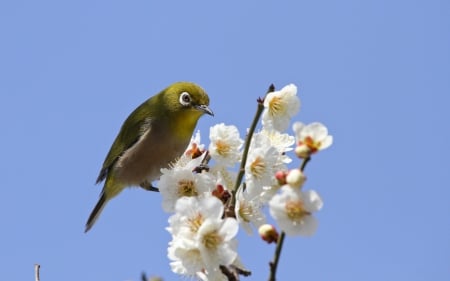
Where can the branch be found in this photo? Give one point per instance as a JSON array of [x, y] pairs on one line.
[[276, 258], [232, 272], [144, 278], [305, 161], [248, 139], [204, 164], [36, 272]]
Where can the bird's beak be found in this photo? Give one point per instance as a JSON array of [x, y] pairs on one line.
[[204, 108]]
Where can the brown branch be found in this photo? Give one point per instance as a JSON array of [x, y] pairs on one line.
[[276, 257], [231, 204], [233, 272]]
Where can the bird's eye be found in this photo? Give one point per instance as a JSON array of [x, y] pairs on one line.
[[185, 98]]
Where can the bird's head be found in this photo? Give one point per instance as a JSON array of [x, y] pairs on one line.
[[182, 104], [186, 99]]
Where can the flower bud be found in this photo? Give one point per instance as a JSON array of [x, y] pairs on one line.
[[194, 151], [302, 151], [268, 233], [281, 177], [221, 193], [295, 178]]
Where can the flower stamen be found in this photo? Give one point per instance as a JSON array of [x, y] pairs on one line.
[[295, 210], [187, 188], [313, 145], [222, 148], [212, 240], [277, 106], [258, 167]]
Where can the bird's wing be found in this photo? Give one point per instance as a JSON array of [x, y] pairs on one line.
[[132, 130]]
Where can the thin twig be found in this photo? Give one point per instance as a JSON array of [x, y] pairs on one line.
[[144, 278], [233, 272], [36, 272], [204, 164], [248, 140], [231, 276], [276, 257], [305, 161]]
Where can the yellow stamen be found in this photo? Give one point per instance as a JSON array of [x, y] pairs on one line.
[[223, 148], [258, 167], [313, 145], [187, 188], [245, 211], [212, 240], [276, 106], [295, 210], [195, 223]]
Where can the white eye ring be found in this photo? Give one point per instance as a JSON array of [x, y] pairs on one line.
[[185, 99]]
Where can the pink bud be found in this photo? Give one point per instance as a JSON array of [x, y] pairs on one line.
[[281, 177]]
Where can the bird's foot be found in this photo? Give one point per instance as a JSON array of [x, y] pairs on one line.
[[148, 186], [201, 168], [203, 165]]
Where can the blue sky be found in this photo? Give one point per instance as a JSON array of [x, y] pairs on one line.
[[375, 72]]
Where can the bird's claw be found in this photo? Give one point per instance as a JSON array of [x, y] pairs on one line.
[[148, 186]]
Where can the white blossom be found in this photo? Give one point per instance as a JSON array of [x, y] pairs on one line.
[[216, 242], [261, 164], [176, 183], [248, 211], [225, 144], [202, 239], [280, 107], [190, 212], [293, 209], [185, 257], [282, 142], [311, 138]]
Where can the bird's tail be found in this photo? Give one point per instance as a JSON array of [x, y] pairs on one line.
[[96, 212]]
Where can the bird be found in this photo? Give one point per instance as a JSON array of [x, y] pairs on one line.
[[152, 137]]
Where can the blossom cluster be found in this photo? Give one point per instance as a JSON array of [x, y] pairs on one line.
[[208, 205]]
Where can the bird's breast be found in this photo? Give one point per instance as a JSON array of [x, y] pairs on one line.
[[155, 149]]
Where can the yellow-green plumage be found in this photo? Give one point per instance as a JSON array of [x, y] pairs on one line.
[[153, 136]]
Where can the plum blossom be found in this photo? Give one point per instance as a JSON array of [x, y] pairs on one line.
[[176, 183], [225, 144], [280, 107], [311, 138], [202, 239], [293, 209], [262, 161]]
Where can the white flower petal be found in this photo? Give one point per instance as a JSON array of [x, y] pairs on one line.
[[327, 142], [312, 201], [309, 226], [212, 207], [316, 130], [297, 127], [228, 229]]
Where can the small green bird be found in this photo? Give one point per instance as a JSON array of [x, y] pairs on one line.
[[152, 137]]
